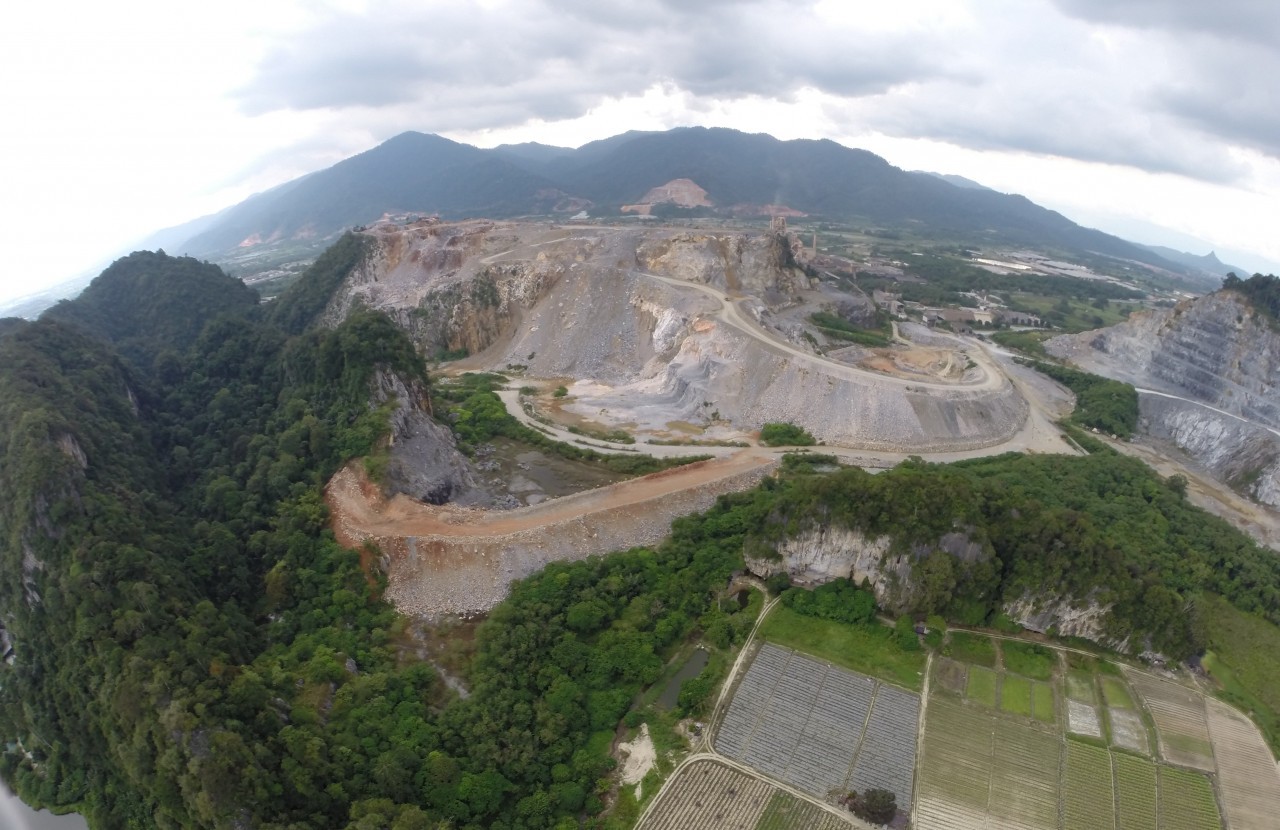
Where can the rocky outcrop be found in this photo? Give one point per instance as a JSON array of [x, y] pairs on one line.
[[1216, 350], [1211, 368], [758, 264], [1232, 450], [1063, 617], [424, 460]]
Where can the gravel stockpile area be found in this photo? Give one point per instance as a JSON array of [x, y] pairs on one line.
[[802, 721]]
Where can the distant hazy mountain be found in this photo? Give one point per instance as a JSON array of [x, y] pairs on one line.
[[1208, 263], [958, 181], [416, 173]]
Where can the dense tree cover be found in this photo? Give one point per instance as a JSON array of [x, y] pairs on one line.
[[1262, 292], [1099, 528], [838, 600], [149, 304], [1110, 406]]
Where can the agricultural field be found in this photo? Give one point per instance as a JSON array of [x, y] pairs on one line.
[[1082, 719], [1247, 772], [1015, 695], [1042, 703], [1186, 801], [1028, 659], [1025, 786], [1180, 719], [821, 728], [1128, 731], [1136, 806], [971, 648], [982, 686], [1089, 800], [786, 812], [1080, 687], [955, 767], [1116, 693], [950, 675], [706, 794]]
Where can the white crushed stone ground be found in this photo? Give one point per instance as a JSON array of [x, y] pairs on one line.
[[1127, 730], [639, 757]]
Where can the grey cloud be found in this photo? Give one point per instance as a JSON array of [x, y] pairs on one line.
[[558, 58], [1237, 20], [1234, 94]]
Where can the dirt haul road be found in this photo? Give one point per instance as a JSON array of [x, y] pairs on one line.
[[453, 560]]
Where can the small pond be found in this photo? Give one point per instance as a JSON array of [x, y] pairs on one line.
[[691, 668], [15, 815]]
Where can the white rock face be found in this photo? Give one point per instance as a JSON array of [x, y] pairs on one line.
[[1215, 352]]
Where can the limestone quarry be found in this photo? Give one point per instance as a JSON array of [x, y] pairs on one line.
[[665, 334], [1207, 372]]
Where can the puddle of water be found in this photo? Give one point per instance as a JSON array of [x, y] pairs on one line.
[[691, 668], [16, 815]]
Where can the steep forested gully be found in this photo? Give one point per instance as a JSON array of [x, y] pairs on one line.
[[191, 648]]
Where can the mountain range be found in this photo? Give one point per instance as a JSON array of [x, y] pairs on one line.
[[742, 174]]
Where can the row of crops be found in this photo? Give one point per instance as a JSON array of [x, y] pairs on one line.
[[821, 728], [981, 770], [707, 794]]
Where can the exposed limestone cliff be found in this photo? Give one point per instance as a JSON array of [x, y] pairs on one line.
[[425, 462], [759, 264], [1213, 353], [820, 555], [1216, 350]]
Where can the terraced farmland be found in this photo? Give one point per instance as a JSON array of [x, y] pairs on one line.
[[707, 794], [1180, 719], [821, 728], [1089, 798], [1247, 773], [1127, 730], [1015, 695], [1042, 700], [1136, 807], [1186, 801]]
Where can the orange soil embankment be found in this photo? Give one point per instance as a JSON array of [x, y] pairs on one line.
[[449, 559]]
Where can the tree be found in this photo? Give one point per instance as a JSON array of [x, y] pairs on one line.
[[875, 805]]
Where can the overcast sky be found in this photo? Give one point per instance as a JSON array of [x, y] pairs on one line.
[[1155, 119]]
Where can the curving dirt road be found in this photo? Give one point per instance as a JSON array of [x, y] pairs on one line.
[[730, 314]]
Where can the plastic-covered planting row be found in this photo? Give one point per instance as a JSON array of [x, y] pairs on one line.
[[888, 756], [802, 721]]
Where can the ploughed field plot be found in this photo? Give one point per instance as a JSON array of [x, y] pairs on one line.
[[821, 728], [707, 795], [1247, 774], [1181, 723]]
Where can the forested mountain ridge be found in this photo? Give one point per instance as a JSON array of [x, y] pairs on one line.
[[420, 173]]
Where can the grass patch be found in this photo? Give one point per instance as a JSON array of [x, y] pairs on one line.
[[785, 435], [1080, 687], [1015, 695], [982, 686], [971, 648], [1243, 662], [837, 328], [1027, 342], [1028, 659], [1116, 693], [1042, 703], [870, 649], [1107, 405]]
